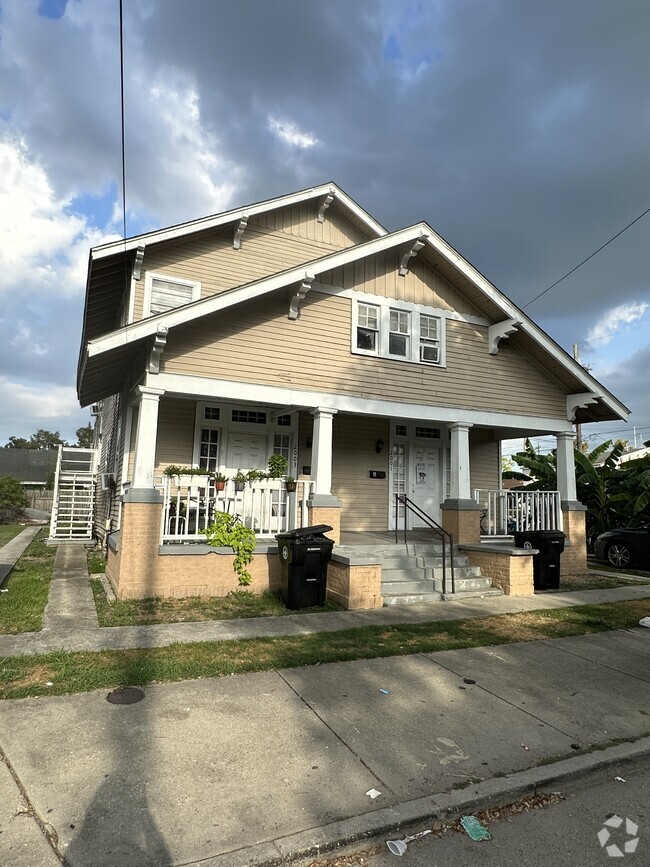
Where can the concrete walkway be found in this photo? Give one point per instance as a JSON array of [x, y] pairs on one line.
[[258, 768], [14, 549]]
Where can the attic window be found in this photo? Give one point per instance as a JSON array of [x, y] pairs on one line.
[[162, 293], [398, 330]]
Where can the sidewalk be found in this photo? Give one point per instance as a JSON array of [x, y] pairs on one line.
[[255, 768]]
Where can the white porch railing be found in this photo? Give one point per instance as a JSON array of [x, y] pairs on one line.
[[507, 512], [189, 505]]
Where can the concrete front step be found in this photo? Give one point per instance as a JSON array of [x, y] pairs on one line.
[[399, 588], [412, 599], [464, 585], [471, 594]]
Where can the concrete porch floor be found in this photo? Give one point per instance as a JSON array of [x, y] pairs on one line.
[[361, 537]]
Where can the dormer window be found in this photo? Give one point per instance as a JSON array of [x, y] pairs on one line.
[[397, 330], [163, 293]]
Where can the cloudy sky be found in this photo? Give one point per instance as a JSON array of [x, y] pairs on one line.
[[519, 131]]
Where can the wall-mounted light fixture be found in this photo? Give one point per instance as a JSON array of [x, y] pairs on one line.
[[308, 443], [379, 446]]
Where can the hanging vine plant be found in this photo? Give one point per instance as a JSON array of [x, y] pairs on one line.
[[227, 531]]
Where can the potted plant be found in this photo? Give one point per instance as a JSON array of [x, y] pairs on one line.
[[188, 476], [240, 480], [291, 484], [277, 466], [255, 476], [219, 481]]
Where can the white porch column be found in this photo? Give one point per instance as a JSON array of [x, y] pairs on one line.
[[460, 486], [145, 437], [321, 458], [566, 468]]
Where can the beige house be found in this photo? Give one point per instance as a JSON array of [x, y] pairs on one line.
[[383, 366]]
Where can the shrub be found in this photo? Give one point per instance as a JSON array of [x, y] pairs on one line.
[[228, 531], [12, 499]]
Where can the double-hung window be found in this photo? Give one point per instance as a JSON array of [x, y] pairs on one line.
[[368, 327], [397, 330], [162, 293]]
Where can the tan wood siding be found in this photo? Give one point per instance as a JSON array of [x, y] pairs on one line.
[[379, 275], [255, 342], [484, 459], [364, 500], [271, 242], [175, 441]]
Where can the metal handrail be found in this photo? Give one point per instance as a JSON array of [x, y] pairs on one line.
[[445, 535]]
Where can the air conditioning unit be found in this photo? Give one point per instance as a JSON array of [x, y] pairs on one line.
[[107, 481]]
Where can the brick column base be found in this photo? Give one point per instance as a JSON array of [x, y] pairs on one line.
[[462, 519], [326, 515], [354, 585], [574, 559], [139, 541], [510, 569]]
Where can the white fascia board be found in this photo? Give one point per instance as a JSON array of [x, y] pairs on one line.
[[513, 312], [226, 217], [215, 303], [206, 388]]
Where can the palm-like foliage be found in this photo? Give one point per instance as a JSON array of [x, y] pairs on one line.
[[616, 495]]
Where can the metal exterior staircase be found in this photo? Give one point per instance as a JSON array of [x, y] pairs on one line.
[[74, 495]]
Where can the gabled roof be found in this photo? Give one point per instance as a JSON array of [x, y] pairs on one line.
[[105, 359], [110, 265]]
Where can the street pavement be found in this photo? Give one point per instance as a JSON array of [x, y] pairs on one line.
[[256, 768], [565, 834]]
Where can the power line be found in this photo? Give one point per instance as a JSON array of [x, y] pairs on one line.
[[122, 120], [591, 256]]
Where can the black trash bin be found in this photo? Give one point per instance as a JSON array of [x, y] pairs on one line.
[[304, 555], [546, 564]]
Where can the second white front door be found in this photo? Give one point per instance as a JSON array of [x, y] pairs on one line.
[[424, 466]]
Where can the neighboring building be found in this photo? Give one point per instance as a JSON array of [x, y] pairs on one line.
[[32, 467], [378, 363]]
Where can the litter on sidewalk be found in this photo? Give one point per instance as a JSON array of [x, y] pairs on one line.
[[474, 829]]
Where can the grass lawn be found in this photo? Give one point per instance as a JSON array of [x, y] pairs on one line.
[[22, 607], [9, 531], [80, 672], [239, 603]]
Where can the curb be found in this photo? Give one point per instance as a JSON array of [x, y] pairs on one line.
[[317, 841]]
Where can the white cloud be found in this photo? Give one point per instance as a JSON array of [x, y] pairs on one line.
[[288, 132], [25, 408], [44, 246], [614, 320]]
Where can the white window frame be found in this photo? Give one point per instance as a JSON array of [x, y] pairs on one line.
[[384, 307], [150, 276]]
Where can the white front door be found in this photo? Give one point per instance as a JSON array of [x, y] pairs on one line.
[[415, 470], [246, 452], [424, 478]]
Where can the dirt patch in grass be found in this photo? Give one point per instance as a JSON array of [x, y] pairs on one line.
[[591, 581], [238, 604], [22, 606], [80, 672]]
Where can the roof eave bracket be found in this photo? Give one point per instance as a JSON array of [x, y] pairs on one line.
[[159, 343], [501, 331], [239, 231], [574, 402], [410, 254], [299, 296], [137, 263], [324, 205]]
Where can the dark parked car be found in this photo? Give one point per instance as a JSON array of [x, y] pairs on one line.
[[624, 547]]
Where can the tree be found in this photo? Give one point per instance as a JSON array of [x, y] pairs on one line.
[[85, 436], [19, 443], [42, 439], [12, 499]]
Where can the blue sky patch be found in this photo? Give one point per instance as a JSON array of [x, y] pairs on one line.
[[52, 8]]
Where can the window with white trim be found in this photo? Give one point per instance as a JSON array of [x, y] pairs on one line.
[[367, 327], [163, 293], [397, 330]]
